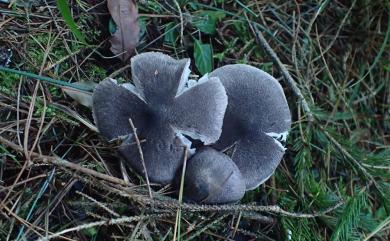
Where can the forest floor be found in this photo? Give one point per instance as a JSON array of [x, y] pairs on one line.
[[60, 180]]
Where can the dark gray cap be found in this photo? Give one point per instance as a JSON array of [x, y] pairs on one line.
[[256, 119], [213, 178], [161, 109]]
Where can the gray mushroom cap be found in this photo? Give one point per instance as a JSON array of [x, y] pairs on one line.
[[213, 178], [256, 119], [161, 109]]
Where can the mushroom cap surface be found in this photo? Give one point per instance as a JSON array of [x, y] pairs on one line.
[[256, 118], [213, 178], [161, 109]]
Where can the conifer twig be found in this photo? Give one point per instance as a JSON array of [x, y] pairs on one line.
[[101, 223], [287, 77], [167, 203]]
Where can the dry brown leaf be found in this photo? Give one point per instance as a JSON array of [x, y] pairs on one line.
[[81, 97], [125, 39]]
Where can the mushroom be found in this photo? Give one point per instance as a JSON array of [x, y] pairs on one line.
[[162, 109], [256, 120], [213, 178]]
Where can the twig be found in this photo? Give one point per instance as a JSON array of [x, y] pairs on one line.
[[376, 167], [102, 205], [171, 204], [203, 229], [39, 195], [176, 232], [257, 236], [385, 223], [26, 223], [378, 56], [119, 71], [63, 163], [104, 222], [141, 155], [318, 12], [341, 25], [25, 151], [287, 77], [181, 21], [75, 115], [270, 209], [237, 224], [259, 218], [347, 154], [166, 202]]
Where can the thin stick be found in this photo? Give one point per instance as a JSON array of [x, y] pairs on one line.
[[28, 224], [104, 222], [270, 209], [181, 22], [347, 154], [102, 205], [25, 141], [141, 154], [380, 227], [63, 163], [167, 202], [378, 56], [287, 77], [203, 229], [176, 232]]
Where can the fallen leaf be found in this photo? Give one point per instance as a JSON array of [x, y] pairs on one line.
[[125, 39], [203, 55], [82, 97]]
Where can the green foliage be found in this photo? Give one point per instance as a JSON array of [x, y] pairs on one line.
[[49, 111], [303, 160], [91, 232], [203, 55], [8, 80], [63, 7], [350, 217], [95, 72], [171, 33], [384, 191], [206, 21], [36, 53], [299, 230]]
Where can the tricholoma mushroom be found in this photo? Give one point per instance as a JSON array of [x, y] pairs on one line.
[[256, 120], [161, 108], [166, 110]]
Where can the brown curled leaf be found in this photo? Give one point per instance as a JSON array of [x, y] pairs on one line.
[[125, 39], [82, 97]]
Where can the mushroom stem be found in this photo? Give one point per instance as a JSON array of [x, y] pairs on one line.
[[287, 77]]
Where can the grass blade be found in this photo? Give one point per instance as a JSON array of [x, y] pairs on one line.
[[64, 9]]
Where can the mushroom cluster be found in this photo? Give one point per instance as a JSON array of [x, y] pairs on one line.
[[237, 109]]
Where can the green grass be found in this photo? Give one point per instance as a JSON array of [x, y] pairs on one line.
[[338, 54]]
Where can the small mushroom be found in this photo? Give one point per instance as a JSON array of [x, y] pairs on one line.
[[256, 120], [162, 109], [213, 178]]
